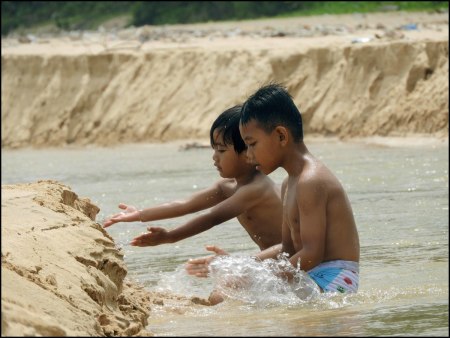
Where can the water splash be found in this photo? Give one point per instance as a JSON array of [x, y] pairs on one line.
[[179, 282], [261, 283]]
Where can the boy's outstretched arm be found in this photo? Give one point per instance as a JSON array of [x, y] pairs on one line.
[[198, 201], [200, 266], [232, 207]]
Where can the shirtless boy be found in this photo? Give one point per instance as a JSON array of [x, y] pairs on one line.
[[243, 192], [318, 228]]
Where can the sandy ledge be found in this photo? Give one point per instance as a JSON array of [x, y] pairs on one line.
[[170, 83], [62, 274]]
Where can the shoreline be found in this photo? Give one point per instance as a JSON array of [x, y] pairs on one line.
[[410, 140]]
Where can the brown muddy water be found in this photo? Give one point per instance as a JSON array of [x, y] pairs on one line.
[[399, 197]]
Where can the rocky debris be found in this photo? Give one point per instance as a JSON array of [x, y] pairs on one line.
[[188, 33]]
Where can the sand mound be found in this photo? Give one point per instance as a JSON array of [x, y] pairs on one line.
[[61, 272], [171, 83]]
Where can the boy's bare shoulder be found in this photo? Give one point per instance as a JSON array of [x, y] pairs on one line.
[[316, 177], [226, 184], [261, 185], [226, 181], [257, 187], [262, 181], [314, 170]]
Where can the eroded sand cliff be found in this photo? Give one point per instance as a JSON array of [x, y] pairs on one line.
[[61, 272], [80, 91]]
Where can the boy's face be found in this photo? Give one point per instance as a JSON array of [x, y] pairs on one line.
[[262, 147], [225, 158]]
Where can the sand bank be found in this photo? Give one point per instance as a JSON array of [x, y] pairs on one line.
[[62, 274], [351, 76]]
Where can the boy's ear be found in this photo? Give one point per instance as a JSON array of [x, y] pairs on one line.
[[282, 134]]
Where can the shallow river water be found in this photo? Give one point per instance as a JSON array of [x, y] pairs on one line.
[[400, 201]]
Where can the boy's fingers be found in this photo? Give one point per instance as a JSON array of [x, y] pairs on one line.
[[197, 261], [117, 215], [111, 220], [216, 249], [197, 274], [139, 238], [137, 242], [198, 271], [107, 223], [201, 275], [122, 206], [211, 248]]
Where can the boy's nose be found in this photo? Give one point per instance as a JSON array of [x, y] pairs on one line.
[[250, 158]]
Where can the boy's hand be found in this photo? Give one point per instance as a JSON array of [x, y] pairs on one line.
[[130, 214], [199, 267], [155, 236]]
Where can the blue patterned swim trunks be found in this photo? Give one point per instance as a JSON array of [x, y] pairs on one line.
[[336, 276]]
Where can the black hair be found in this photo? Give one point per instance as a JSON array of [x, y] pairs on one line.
[[271, 106], [227, 124]]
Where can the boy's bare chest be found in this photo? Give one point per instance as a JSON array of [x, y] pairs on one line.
[[260, 229]]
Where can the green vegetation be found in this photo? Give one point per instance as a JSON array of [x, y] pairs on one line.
[[171, 12], [77, 15], [346, 7], [66, 15]]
